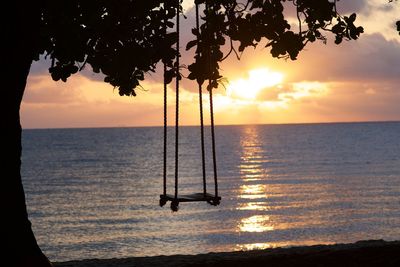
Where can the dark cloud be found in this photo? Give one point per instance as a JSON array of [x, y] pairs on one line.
[[40, 67], [372, 57], [357, 102], [351, 6], [343, 6], [88, 73]]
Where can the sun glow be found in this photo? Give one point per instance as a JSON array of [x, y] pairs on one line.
[[258, 79]]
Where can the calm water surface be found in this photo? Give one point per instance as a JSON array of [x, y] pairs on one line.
[[93, 193]]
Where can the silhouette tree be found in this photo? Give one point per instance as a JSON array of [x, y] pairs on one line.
[[397, 22], [124, 40]]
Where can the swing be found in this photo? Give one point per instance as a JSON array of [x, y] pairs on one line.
[[204, 196]]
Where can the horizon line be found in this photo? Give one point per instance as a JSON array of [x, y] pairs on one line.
[[207, 125]]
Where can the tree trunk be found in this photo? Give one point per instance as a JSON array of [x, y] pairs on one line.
[[21, 32], [17, 230]]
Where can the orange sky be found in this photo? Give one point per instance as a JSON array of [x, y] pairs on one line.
[[356, 81]]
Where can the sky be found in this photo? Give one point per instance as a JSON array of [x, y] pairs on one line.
[[356, 81]]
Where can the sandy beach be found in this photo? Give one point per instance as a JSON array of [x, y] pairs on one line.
[[363, 253]]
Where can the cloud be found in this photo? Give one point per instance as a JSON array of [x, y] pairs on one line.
[[348, 101], [273, 93], [41, 89], [380, 17], [82, 102], [110, 114], [40, 67], [371, 7], [354, 102], [187, 5], [344, 7], [371, 58], [351, 6]]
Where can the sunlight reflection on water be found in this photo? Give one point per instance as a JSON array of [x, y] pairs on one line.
[[253, 246], [251, 165], [256, 223], [93, 193]]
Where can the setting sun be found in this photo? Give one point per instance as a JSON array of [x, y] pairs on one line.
[[257, 80]]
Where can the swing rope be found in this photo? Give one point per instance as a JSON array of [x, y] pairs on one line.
[[213, 144], [165, 132], [203, 160], [165, 118], [175, 199], [215, 201]]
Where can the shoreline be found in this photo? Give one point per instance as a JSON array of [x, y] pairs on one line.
[[361, 253]]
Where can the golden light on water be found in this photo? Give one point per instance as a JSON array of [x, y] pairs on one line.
[[257, 205], [256, 223], [252, 156], [251, 170], [253, 191], [254, 246]]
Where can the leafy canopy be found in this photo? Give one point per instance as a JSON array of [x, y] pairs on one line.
[[125, 39]]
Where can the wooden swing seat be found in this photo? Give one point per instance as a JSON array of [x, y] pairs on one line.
[[196, 197]]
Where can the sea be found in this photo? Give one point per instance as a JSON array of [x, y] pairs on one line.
[[94, 192]]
